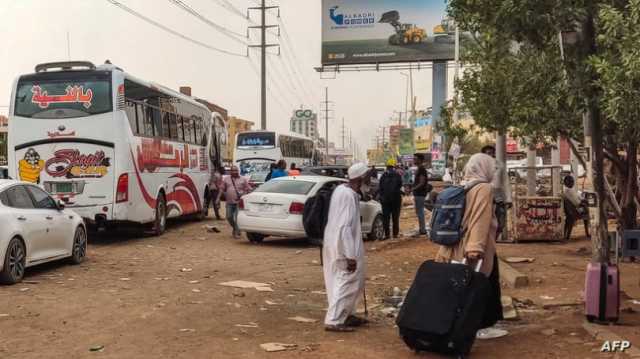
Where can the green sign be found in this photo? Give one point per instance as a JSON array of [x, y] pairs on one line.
[[406, 142]]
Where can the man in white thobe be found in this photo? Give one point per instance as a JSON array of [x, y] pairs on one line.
[[343, 254]]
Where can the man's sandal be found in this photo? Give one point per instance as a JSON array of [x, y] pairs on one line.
[[353, 321], [340, 328]]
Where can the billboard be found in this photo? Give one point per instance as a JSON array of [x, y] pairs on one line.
[[394, 137], [406, 142], [422, 138], [379, 31]]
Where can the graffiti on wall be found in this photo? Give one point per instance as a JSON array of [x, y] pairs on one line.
[[539, 218]]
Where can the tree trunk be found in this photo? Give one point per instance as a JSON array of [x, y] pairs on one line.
[[531, 171], [630, 189], [600, 239]]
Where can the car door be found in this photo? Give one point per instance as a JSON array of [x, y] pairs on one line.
[[33, 227], [59, 225]]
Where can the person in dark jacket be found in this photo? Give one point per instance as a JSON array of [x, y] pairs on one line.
[[280, 170], [390, 189], [272, 168]]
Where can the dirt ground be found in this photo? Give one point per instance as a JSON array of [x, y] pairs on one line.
[[144, 297]]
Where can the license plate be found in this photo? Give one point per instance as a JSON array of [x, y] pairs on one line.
[[64, 187], [267, 208]]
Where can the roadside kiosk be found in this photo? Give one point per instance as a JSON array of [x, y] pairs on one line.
[[538, 217]]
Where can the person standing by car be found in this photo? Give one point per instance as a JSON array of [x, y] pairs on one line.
[[215, 183], [420, 191], [343, 254], [479, 225], [390, 189], [281, 170], [233, 188], [272, 167], [294, 171]]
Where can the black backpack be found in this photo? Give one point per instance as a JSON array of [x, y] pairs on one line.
[[316, 214]]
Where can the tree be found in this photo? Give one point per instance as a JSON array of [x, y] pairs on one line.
[[598, 79], [618, 69], [467, 136]]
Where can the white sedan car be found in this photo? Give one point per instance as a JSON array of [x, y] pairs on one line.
[[275, 208], [35, 229]]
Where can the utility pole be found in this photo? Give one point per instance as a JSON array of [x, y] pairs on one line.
[[344, 134], [326, 104], [263, 57]]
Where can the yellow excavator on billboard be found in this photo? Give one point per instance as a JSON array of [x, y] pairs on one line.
[[446, 30], [405, 33]]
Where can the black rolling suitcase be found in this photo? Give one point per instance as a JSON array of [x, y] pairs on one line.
[[444, 308]]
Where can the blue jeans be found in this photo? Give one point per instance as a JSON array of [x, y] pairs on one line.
[[419, 205], [232, 217]]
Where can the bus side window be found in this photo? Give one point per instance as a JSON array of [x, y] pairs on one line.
[[196, 129], [188, 129], [203, 133], [166, 129], [130, 110], [147, 121], [179, 128], [156, 120], [173, 127], [140, 116]]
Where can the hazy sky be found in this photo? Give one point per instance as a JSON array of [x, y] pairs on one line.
[[35, 31]]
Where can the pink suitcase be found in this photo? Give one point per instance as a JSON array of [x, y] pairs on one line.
[[602, 292]]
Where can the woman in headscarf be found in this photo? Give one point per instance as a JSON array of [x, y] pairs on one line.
[[480, 227]]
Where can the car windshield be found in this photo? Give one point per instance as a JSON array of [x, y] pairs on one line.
[[286, 187]]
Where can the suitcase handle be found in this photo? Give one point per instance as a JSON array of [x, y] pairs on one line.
[[478, 265]]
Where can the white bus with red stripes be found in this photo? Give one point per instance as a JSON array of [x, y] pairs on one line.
[[115, 148]]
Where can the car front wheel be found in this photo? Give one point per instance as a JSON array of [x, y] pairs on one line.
[[79, 252], [377, 229], [14, 263]]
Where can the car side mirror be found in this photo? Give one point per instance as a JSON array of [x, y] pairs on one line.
[[61, 205]]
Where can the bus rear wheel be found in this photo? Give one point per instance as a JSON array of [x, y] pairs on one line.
[[160, 222]]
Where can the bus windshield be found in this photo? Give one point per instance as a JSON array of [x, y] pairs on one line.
[[257, 139], [63, 95]]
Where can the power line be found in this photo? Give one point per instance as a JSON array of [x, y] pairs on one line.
[[171, 31], [254, 67], [229, 33], [291, 85], [229, 6], [293, 59], [263, 58]]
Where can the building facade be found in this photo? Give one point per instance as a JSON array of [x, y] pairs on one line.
[[4, 134], [236, 125], [305, 122]]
